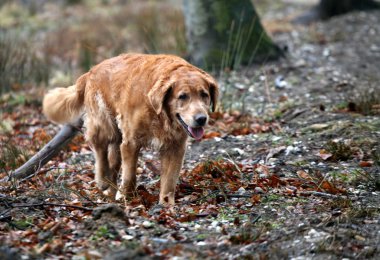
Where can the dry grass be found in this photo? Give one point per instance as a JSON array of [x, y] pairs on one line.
[[60, 40], [11, 156], [19, 64]]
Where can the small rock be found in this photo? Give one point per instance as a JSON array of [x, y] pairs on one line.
[[214, 223], [160, 240], [258, 190], [147, 224], [326, 52], [374, 48], [318, 127], [272, 161], [241, 191], [280, 82], [127, 237], [292, 149], [263, 175], [360, 238], [240, 86], [238, 151], [197, 226], [314, 236]]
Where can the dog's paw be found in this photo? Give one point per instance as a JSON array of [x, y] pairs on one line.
[[102, 184], [167, 199], [119, 196], [110, 192]]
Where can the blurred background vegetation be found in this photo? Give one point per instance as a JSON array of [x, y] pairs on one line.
[[52, 42]]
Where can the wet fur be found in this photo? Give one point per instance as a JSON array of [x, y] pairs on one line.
[[129, 102]]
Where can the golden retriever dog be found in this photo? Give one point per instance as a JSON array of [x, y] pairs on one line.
[[133, 101]]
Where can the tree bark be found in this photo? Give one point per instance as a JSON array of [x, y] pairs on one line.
[[226, 34], [62, 138]]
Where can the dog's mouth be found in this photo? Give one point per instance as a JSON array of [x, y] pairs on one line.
[[194, 132]]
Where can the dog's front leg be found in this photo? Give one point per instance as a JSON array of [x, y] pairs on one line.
[[129, 155], [171, 164]]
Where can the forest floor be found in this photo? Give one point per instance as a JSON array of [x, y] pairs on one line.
[[299, 178]]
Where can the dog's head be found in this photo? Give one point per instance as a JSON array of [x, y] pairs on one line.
[[186, 96]]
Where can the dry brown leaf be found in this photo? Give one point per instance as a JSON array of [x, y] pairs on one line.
[[304, 175], [324, 154], [365, 163]]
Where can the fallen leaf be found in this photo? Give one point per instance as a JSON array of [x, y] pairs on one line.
[[304, 175], [211, 135], [366, 163], [255, 199], [324, 154], [328, 187]]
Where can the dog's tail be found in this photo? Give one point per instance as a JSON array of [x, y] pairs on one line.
[[63, 105]]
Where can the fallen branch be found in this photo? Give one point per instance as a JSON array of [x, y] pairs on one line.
[[50, 204], [5, 215], [239, 195], [35, 163], [319, 194]]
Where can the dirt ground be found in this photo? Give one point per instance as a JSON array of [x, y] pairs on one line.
[[298, 179]]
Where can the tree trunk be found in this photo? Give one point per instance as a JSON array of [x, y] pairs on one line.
[[329, 8], [226, 34]]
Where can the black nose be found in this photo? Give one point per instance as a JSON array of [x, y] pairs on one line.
[[200, 119]]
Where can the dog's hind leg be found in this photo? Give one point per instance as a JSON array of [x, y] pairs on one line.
[[102, 169], [129, 156], [114, 160], [99, 142]]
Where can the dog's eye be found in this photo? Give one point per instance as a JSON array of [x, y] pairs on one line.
[[183, 96], [204, 95]]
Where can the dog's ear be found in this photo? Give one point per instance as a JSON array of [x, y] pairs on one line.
[[214, 93], [213, 89], [157, 93]]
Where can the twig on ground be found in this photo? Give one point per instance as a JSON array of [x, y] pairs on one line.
[[80, 195], [39, 172], [254, 220], [50, 204], [318, 193], [5, 215], [239, 195]]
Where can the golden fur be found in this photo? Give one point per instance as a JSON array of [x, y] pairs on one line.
[[132, 101]]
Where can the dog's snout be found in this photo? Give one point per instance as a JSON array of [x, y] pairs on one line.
[[200, 119]]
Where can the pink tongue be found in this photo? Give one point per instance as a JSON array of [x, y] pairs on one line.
[[197, 133]]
